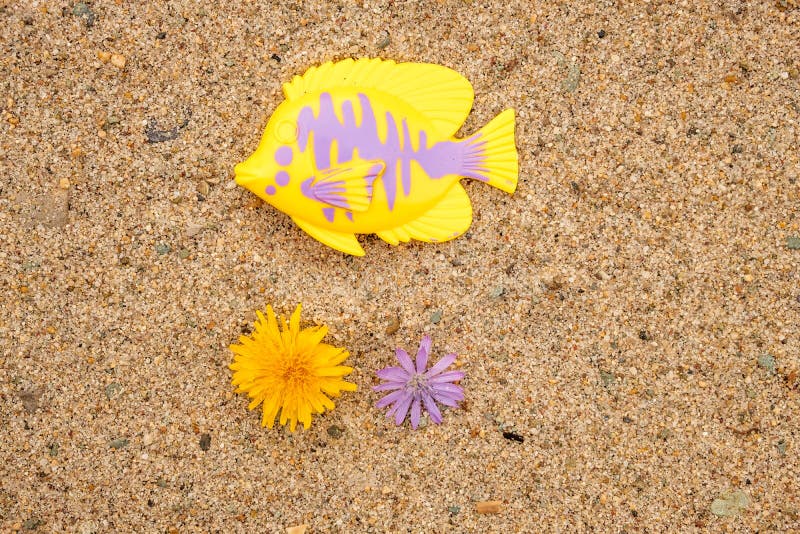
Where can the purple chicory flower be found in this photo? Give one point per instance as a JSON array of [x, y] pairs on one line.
[[412, 387]]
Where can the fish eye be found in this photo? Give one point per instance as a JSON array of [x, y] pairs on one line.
[[286, 132]]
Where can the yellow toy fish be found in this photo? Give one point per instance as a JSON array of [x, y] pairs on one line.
[[366, 146]]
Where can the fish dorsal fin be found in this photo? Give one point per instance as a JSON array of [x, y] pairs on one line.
[[347, 186], [441, 94], [448, 219]]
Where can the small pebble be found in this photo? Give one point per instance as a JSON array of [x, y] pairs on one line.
[[119, 443], [436, 316], [335, 432], [767, 361], [513, 436], [205, 441], [193, 230], [118, 60], [30, 399], [393, 326], [488, 507], [63, 183], [32, 524], [607, 378], [793, 243], [570, 84], [112, 390], [203, 188], [81, 9], [384, 41], [730, 503], [163, 248], [497, 292], [601, 34]]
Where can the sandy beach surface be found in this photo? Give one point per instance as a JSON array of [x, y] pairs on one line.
[[628, 321]]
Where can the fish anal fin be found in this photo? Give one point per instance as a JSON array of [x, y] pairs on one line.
[[448, 219], [340, 241], [395, 236], [441, 94]]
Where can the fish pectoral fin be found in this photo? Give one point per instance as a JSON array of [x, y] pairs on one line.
[[448, 219], [340, 241], [347, 186], [439, 93]]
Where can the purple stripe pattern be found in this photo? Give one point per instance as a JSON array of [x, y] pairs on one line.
[[461, 158]]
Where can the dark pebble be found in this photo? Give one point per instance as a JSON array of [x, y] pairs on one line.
[[335, 432], [384, 41], [156, 135], [601, 34], [119, 443], [205, 441], [161, 35], [627, 420], [81, 9], [30, 399], [644, 335], [32, 524], [513, 436], [276, 57]]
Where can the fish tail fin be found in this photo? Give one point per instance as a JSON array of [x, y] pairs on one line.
[[491, 154]]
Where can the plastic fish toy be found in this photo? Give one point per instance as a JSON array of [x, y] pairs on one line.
[[367, 146]]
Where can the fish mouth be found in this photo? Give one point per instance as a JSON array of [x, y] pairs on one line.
[[244, 176]]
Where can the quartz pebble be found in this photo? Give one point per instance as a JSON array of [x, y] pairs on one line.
[[118, 60]]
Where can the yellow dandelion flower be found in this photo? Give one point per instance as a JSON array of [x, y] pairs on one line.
[[289, 369]]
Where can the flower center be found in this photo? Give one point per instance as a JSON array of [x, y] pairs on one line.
[[417, 383], [295, 372]]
